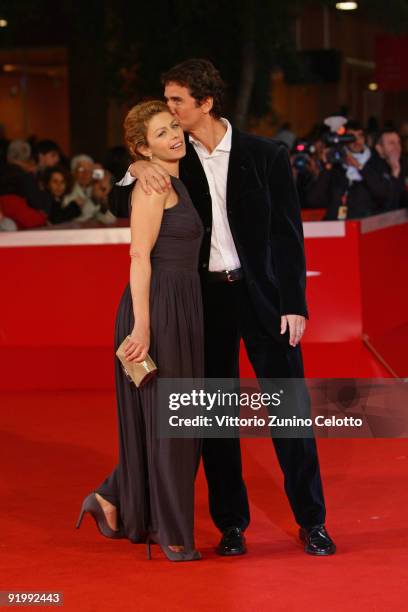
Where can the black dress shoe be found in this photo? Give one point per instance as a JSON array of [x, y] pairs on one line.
[[317, 541], [232, 543]]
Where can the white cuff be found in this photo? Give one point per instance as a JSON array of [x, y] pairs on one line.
[[128, 179]]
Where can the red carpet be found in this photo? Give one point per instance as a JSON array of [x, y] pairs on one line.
[[56, 446]]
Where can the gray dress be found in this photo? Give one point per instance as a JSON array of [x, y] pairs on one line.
[[153, 484]]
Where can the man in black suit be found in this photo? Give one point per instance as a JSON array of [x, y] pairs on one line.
[[253, 278]]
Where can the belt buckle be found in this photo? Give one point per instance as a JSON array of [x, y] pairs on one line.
[[229, 278]]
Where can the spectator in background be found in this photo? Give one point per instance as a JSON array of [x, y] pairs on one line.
[[340, 187], [56, 182], [285, 135], [6, 224], [18, 178], [82, 167], [46, 154], [383, 172], [101, 189], [364, 183], [305, 168]]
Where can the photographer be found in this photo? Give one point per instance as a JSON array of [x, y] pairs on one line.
[[341, 186], [383, 173], [306, 168]]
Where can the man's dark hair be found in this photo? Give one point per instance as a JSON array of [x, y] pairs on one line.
[[202, 79], [48, 172], [387, 130], [354, 124], [45, 146]]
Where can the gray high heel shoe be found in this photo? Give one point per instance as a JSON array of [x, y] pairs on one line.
[[172, 555], [91, 505]]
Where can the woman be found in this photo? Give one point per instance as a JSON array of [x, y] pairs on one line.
[[55, 182], [150, 494]]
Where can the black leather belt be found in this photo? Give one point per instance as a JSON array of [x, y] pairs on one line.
[[225, 276]]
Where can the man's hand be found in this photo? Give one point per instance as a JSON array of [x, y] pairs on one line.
[[297, 326], [151, 176], [393, 161], [352, 161]]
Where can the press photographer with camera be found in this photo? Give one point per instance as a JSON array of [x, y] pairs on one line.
[[306, 167], [357, 182], [340, 187]]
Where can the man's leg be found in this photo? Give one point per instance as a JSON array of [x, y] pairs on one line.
[[228, 498], [297, 457]]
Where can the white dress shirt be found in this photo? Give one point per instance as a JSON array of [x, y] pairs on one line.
[[223, 254]]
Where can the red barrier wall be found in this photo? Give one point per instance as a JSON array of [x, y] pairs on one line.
[[59, 301]]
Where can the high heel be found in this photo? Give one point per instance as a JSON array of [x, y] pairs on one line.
[[91, 505], [172, 555]]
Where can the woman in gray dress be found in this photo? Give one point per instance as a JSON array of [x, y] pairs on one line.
[[150, 494]]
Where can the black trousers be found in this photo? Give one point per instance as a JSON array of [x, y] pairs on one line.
[[229, 316]]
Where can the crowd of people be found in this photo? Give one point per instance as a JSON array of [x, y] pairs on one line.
[[40, 187], [351, 172], [365, 175]]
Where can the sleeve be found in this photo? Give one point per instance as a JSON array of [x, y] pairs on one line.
[[119, 200], [17, 209], [286, 236], [60, 214], [36, 198], [386, 190]]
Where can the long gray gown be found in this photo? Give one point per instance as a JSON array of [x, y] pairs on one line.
[[153, 484]]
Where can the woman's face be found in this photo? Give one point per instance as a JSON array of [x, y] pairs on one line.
[[165, 138], [57, 184]]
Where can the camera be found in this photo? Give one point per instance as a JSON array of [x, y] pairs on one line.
[[336, 153], [302, 152]]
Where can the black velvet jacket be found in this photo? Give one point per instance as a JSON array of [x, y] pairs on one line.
[[264, 216]]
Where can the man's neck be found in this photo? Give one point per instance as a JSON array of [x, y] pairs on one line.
[[209, 133]]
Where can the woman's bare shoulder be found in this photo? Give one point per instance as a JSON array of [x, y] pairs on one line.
[[140, 197]]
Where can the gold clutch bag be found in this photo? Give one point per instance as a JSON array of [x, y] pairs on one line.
[[140, 373]]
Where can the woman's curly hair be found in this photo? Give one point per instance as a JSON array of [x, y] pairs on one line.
[[136, 122]]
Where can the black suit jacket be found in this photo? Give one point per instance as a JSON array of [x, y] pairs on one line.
[[264, 216]]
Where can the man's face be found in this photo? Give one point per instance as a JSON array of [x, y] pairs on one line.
[[183, 106], [389, 145], [358, 145], [101, 189], [83, 173], [49, 159]]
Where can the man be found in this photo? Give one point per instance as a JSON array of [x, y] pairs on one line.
[[341, 187], [253, 280], [46, 155], [101, 188], [18, 178], [383, 172], [364, 183]]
